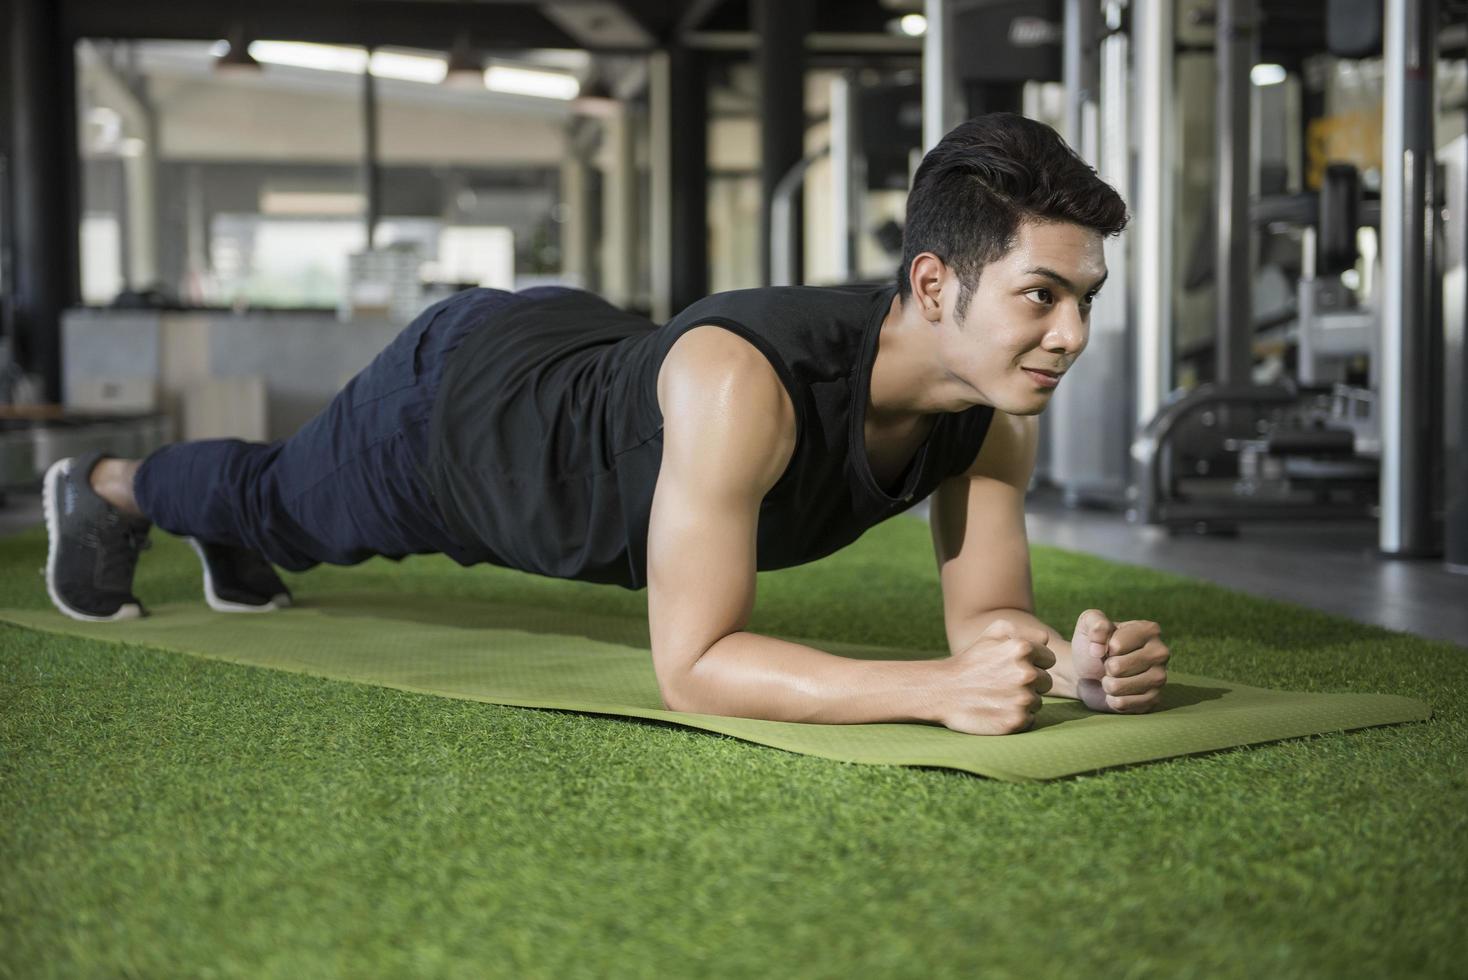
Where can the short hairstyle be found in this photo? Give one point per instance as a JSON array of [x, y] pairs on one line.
[[982, 180]]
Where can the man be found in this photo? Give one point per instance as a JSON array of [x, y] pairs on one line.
[[551, 432]]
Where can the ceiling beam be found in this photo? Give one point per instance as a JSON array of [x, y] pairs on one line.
[[598, 24], [694, 16], [406, 23], [818, 42]]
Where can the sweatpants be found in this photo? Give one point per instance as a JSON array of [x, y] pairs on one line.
[[350, 484]]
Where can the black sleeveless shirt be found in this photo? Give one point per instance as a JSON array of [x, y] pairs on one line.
[[547, 436]]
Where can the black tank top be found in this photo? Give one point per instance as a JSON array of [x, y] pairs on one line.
[[547, 436]]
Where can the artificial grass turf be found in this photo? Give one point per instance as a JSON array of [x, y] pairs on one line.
[[482, 650], [164, 815]]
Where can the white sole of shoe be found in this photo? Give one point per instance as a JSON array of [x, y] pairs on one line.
[[281, 601], [57, 470]]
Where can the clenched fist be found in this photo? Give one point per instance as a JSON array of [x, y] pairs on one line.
[[1119, 667], [993, 687]]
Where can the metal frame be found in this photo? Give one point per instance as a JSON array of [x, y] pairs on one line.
[[1085, 450], [1455, 349], [784, 235], [660, 178], [1154, 32], [782, 26], [847, 189], [1408, 279], [941, 101], [1153, 452], [1233, 284], [1081, 75]]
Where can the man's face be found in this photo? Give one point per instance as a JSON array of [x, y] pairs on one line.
[[1030, 311]]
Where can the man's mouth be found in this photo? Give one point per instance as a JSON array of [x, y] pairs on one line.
[[1047, 379]]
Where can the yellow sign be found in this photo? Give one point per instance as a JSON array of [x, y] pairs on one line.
[[1350, 137]]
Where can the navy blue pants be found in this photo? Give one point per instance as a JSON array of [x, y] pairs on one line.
[[349, 485]]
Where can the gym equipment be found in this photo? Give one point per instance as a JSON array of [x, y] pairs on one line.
[[1369, 417], [1297, 449], [1324, 445]]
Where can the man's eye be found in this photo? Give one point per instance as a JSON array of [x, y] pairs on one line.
[[1040, 296]]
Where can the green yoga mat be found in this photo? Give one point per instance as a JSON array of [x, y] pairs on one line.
[[547, 658]]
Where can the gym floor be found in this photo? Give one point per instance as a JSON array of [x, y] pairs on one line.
[[1332, 566]]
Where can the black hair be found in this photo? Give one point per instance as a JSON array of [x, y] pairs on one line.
[[983, 179]]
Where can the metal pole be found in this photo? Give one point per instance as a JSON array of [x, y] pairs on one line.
[[619, 219], [1115, 167], [1156, 153], [688, 177], [45, 181], [660, 190], [575, 237], [942, 105], [1233, 292], [1069, 414], [1455, 350], [846, 190], [7, 216], [140, 179], [1088, 456], [1081, 70], [114, 72], [784, 235], [1408, 277], [780, 59], [371, 177], [678, 150]]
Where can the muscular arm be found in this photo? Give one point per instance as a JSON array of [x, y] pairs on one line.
[[978, 524], [728, 434]]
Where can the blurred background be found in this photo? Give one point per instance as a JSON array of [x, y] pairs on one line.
[[212, 215]]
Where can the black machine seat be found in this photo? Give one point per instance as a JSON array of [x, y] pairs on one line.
[[1311, 442]]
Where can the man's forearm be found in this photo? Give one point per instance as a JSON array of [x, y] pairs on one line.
[[751, 676], [963, 635]]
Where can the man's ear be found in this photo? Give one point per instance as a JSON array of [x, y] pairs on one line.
[[927, 276]]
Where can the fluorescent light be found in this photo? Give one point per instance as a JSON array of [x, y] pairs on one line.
[[1262, 75], [321, 57], [526, 81], [350, 60], [409, 67], [913, 25]]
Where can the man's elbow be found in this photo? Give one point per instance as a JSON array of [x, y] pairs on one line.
[[676, 682], [687, 678], [673, 699]]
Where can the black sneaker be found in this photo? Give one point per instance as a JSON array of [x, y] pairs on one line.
[[239, 580], [93, 546]]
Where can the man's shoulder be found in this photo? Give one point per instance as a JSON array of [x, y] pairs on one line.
[[721, 392], [712, 356]]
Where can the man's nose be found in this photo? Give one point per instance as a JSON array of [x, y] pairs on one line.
[[1068, 329]]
